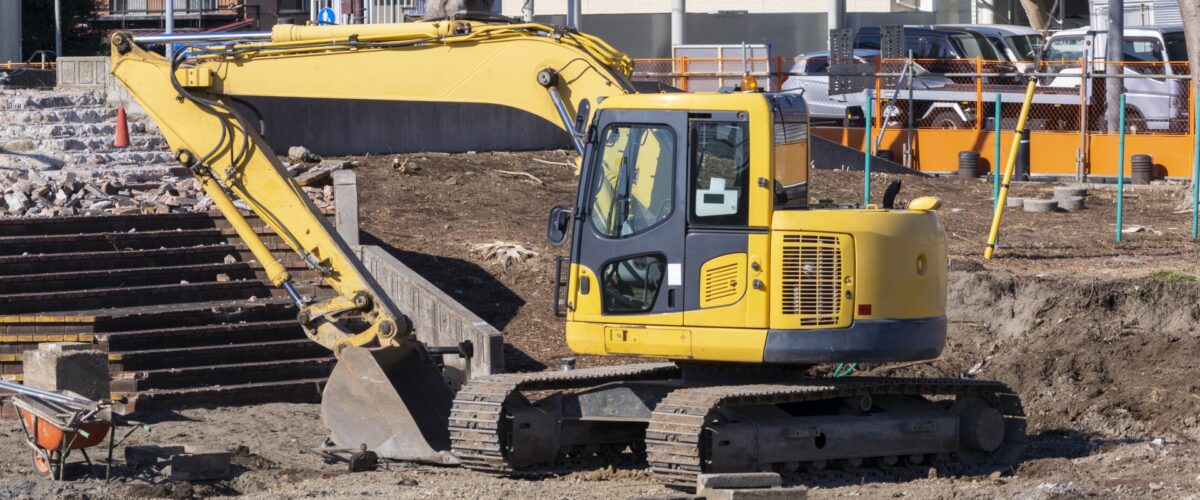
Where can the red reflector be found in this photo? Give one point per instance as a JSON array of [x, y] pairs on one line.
[[864, 309]]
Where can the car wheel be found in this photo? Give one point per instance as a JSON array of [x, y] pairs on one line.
[[947, 119]]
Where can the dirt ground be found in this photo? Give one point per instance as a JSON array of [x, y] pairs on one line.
[[1100, 339]]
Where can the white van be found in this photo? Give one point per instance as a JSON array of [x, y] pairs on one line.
[[1017, 44]]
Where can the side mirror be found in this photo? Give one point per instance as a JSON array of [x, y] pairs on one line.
[[556, 227], [581, 115]]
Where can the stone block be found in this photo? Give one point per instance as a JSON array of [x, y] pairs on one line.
[[199, 465], [345, 202], [68, 366], [1040, 206], [1070, 203], [1014, 202], [738, 480], [1061, 192], [794, 493]]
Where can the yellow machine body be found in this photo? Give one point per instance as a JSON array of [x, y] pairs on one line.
[[807, 285]]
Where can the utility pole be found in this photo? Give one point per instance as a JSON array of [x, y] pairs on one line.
[[170, 28], [57, 29], [678, 24], [1113, 58], [574, 13], [837, 15], [527, 11]]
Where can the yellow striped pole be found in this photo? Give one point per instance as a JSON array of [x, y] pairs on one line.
[[1008, 171]]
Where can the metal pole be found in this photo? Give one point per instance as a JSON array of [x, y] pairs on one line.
[[527, 11], [867, 150], [910, 157], [58, 28], [170, 28], [1113, 56], [678, 24], [996, 155], [574, 14], [837, 15], [998, 214], [48, 395], [1121, 170], [1196, 171]]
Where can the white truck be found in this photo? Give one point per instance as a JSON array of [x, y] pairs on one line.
[[1155, 56]]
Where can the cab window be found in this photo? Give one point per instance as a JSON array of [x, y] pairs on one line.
[[1064, 49], [632, 190], [720, 168]]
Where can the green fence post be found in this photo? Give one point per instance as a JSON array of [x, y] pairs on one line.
[[870, 103], [996, 157], [1196, 170], [1121, 169]]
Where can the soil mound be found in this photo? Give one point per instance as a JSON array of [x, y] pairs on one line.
[[1113, 358]]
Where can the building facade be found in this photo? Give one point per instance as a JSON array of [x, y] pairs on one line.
[[642, 28]]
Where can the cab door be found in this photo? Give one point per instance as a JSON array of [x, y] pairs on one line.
[[629, 232]]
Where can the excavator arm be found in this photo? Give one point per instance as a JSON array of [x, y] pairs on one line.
[[385, 392]]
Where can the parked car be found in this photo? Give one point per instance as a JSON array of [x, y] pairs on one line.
[[810, 76], [1151, 103], [1019, 45], [938, 48]]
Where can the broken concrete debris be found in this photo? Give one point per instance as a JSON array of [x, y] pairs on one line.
[[32, 193]]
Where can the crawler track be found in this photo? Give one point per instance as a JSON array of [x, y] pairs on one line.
[[675, 442], [478, 431]]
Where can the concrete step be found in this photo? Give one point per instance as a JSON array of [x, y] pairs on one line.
[[121, 157], [202, 335], [223, 374], [194, 314], [133, 276], [58, 115], [54, 147], [292, 391], [176, 357], [91, 242], [34, 99], [77, 130], [134, 296]]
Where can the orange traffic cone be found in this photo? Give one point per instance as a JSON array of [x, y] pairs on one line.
[[122, 139]]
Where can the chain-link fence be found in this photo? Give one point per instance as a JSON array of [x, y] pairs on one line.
[[958, 93]]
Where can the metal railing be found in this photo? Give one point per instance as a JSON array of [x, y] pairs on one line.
[[960, 93], [956, 105], [159, 7]]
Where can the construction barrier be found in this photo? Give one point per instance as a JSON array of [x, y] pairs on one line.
[[1072, 134]]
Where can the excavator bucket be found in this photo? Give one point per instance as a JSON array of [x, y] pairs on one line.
[[392, 399]]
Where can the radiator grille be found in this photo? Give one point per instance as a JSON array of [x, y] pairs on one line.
[[812, 279]]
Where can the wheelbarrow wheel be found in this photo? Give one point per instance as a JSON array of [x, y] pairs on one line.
[[46, 464]]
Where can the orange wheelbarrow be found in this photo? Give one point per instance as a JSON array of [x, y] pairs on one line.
[[54, 429], [58, 423]]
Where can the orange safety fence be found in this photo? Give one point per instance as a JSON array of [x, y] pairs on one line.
[[1071, 130]]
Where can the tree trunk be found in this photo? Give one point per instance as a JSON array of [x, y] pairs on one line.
[[1039, 18]]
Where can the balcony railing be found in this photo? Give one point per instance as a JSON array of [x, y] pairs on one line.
[[159, 7]]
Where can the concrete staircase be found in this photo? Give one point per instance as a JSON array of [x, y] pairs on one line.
[[185, 312], [73, 130]]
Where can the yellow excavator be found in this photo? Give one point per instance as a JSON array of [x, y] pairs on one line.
[[692, 243]]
